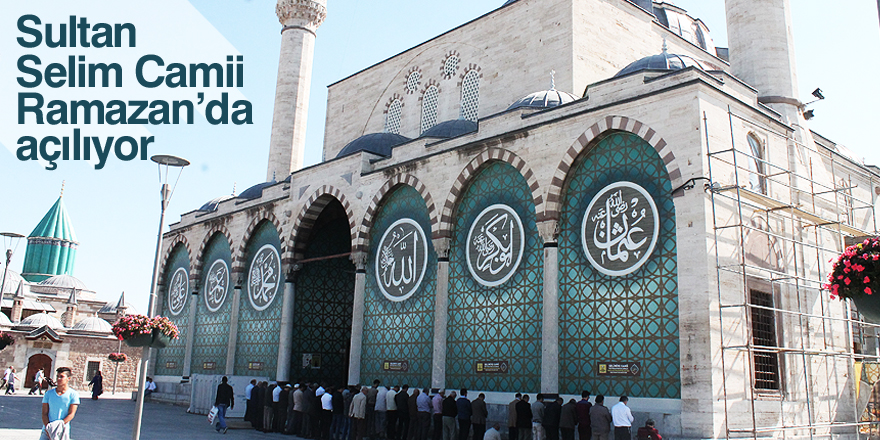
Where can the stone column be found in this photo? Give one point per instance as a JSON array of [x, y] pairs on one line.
[[301, 19], [191, 329], [285, 339], [357, 317], [549, 231], [233, 326], [441, 313]]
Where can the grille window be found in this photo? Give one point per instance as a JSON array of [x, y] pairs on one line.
[[412, 81], [91, 369], [429, 108], [470, 96], [450, 66], [764, 336], [392, 119]]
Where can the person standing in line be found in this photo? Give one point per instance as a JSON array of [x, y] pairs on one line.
[[583, 415], [38, 383], [59, 407], [413, 415], [326, 412], [391, 413], [11, 378], [494, 433], [600, 419], [478, 418], [309, 420], [269, 408], [402, 400], [524, 419], [347, 396], [248, 397], [225, 399], [423, 414], [358, 413], [281, 408], [450, 412], [380, 412], [648, 432], [372, 395], [437, 406], [568, 420], [622, 418], [298, 399], [511, 417], [465, 410], [97, 384], [288, 427], [538, 418], [552, 414], [339, 414]]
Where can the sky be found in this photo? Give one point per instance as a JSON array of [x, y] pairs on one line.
[[115, 209]]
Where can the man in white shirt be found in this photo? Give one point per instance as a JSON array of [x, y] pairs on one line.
[[150, 387], [494, 433], [326, 414], [248, 394], [622, 419], [391, 413], [5, 377], [381, 411]]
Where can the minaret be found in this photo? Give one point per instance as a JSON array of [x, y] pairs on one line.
[[121, 308], [51, 248], [68, 318], [300, 19], [18, 303]]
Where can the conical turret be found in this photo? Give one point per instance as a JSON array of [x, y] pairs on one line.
[[51, 248]]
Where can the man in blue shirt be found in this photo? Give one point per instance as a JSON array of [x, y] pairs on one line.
[[463, 404], [59, 403]]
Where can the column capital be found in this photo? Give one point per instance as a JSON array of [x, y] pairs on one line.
[[441, 247], [359, 258], [308, 14], [549, 231]]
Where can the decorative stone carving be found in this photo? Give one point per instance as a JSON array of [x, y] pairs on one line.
[[306, 13], [441, 246]]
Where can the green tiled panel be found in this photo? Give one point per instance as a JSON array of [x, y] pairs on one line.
[[174, 352], [211, 334]]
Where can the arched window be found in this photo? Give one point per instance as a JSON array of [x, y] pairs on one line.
[[429, 108], [757, 173], [392, 117], [470, 96]]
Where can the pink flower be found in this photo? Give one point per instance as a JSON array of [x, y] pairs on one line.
[[868, 290], [867, 280], [846, 281]]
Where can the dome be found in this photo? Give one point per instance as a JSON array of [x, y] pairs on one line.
[[450, 129], [546, 99], [508, 2], [13, 279], [376, 143], [4, 320], [211, 205], [40, 319], [663, 61], [65, 282], [254, 192], [92, 324]]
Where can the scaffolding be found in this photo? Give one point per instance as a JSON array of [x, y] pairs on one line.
[[772, 309]]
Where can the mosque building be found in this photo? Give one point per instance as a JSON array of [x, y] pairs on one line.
[[606, 202]]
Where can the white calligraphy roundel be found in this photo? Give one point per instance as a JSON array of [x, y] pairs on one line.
[[401, 260], [495, 245], [620, 228], [264, 278], [177, 291], [216, 285]]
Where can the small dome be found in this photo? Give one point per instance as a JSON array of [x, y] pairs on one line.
[[211, 205], [254, 192], [664, 61], [64, 281], [4, 320], [376, 143], [13, 279], [92, 324], [546, 99], [508, 2], [451, 129], [40, 319]]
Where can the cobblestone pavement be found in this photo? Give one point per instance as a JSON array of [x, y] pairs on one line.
[[111, 418]]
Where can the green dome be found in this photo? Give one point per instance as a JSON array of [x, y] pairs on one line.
[[51, 248]]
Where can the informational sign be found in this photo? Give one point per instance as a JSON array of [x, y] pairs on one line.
[[495, 245], [264, 278], [311, 360], [620, 228], [178, 291], [255, 366], [618, 369], [401, 260], [216, 285], [395, 366], [209, 365], [491, 367], [170, 365]]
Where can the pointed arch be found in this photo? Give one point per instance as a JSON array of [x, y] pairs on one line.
[[458, 187], [239, 254], [363, 232], [196, 271], [588, 139], [178, 240], [302, 226]]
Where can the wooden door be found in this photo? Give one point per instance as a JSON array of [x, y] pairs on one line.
[[36, 362]]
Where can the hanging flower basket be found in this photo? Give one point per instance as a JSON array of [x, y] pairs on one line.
[[5, 340], [117, 357], [142, 331], [856, 275]]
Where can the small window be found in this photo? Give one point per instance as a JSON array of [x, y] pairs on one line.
[[470, 96], [92, 368], [392, 118], [450, 66], [413, 81], [766, 358], [429, 108], [757, 175]]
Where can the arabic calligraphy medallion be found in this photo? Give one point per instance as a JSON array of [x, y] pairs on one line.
[[401, 259], [495, 245], [620, 228], [216, 285], [177, 289], [264, 278]]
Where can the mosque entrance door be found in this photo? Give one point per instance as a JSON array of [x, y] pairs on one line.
[[324, 295], [36, 362]]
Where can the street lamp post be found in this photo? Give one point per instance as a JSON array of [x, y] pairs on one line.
[[167, 162], [12, 238]]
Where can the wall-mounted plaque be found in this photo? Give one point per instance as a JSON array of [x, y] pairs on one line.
[[170, 365], [216, 285], [209, 365], [618, 369], [495, 245], [401, 259], [264, 278], [492, 367], [395, 366], [620, 228], [311, 360], [257, 366], [178, 291]]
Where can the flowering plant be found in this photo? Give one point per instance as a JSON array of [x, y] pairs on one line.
[[5, 340], [130, 326], [117, 357], [857, 271]]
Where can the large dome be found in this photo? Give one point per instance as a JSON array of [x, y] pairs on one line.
[[64, 282], [4, 320], [544, 99], [92, 325], [13, 279], [39, 320], [663, 61], [211, 205], [376, 143]]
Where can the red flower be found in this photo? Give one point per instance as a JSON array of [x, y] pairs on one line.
[[868, 290], [846, 281]]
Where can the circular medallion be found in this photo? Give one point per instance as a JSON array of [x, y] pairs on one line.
[[495, 245], [620, 228], [177, 291], [264, 278], [216, 285], [401, 259]]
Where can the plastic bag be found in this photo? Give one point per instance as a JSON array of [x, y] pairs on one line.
[[212, 415]]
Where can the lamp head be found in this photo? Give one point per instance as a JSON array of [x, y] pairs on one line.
[[818, 93]]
